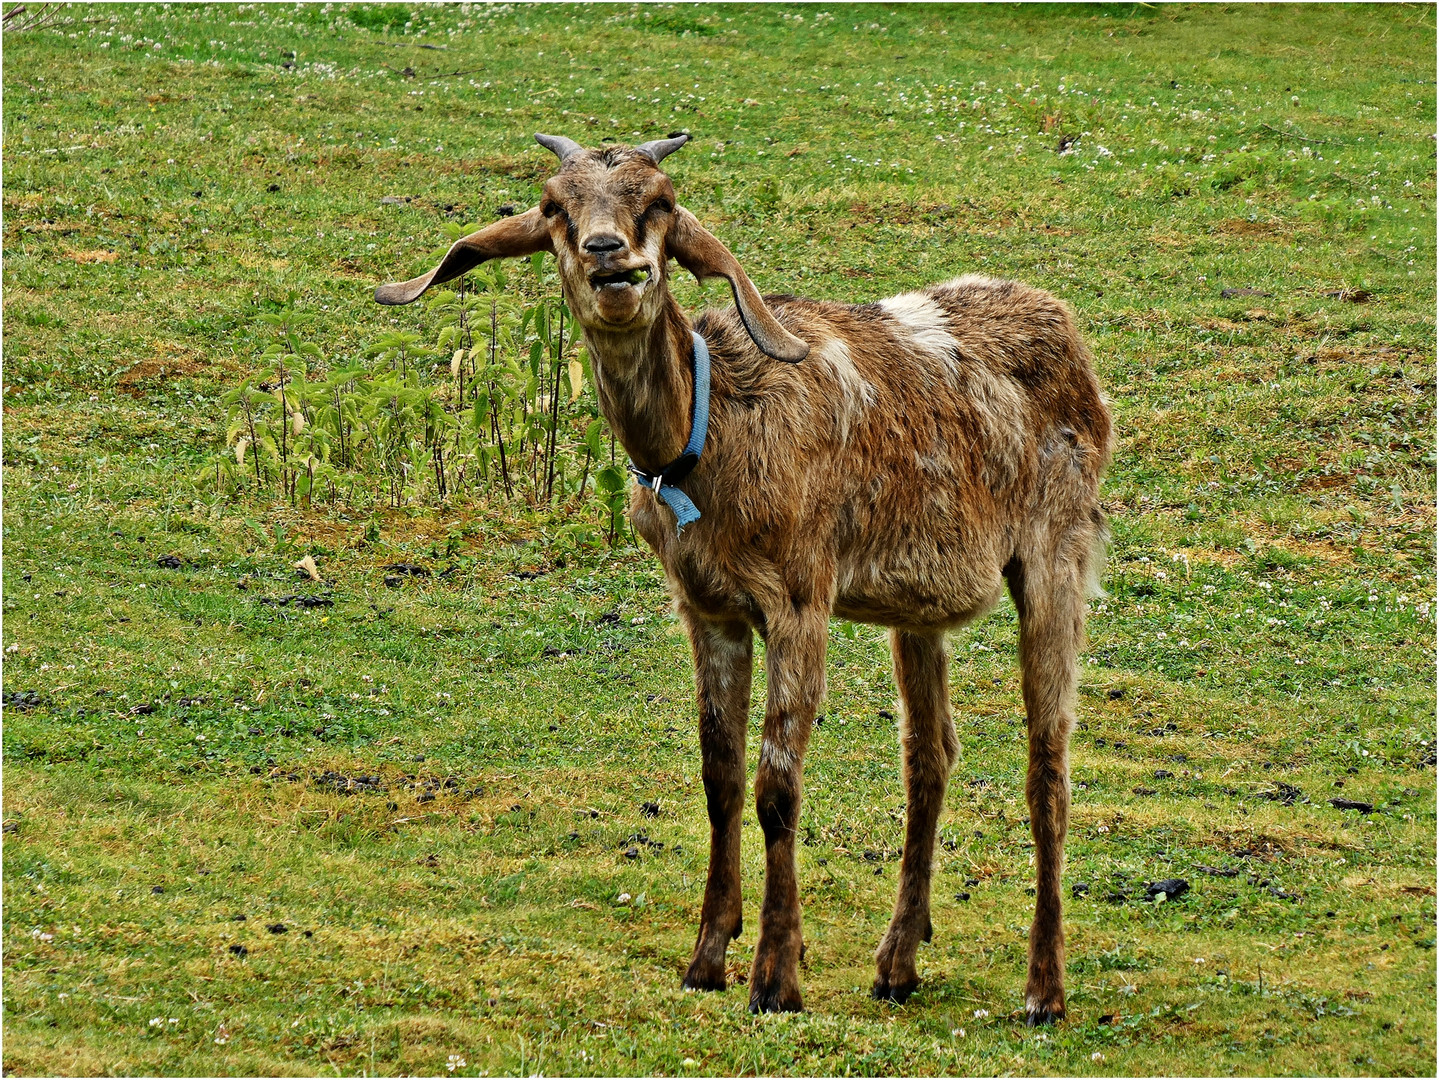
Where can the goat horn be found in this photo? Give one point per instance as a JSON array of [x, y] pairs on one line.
[[563, 148], [660, 149]]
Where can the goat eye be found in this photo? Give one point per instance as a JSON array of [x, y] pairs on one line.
[[551, 208], [660, 206]]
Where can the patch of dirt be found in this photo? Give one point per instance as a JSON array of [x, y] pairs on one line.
[[251, 261], [1350, 296], [62, 228], [27, 201], [1244, 844], [170, 362], [532, 168], [97, 256], [351, 267], [1325, 483]]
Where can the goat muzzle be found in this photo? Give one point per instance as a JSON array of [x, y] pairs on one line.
[[636, 277]]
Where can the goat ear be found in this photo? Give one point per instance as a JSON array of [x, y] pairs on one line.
[[698, 250], [523, 234]]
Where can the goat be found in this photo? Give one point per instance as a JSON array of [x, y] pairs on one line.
[[906, 459]]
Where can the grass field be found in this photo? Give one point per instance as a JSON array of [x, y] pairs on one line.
[[405, 832]]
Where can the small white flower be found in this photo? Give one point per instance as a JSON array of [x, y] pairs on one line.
[[156, 1021], [1096, 1056], [980, 1014], [623, 898]]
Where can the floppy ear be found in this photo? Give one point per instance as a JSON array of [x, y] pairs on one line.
[[696, 249], [523, 234]]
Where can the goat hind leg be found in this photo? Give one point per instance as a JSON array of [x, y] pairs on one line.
[[1050, 601], [723, 654], [929, 748]]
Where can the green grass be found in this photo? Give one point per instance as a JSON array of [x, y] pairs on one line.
[[1269, 625]]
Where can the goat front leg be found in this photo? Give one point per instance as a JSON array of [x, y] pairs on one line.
[[794, 663], [1050, 602], [723, 655], [929, 747]]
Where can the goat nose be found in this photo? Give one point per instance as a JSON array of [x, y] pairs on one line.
[[603, 243]]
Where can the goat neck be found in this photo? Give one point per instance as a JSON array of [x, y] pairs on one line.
[[646, 386]]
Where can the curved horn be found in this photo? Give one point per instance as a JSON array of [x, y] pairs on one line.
[[563, 148], [660, 149]]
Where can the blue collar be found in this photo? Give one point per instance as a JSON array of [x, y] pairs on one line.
[[663, 482]]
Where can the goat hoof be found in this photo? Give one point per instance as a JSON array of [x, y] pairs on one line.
[[775, 1002], [703, 977], [894, 993], [1041, 1017]]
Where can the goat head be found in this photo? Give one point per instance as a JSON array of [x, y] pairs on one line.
[[610, 218]]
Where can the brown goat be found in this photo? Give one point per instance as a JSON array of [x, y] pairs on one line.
[[928, 449]]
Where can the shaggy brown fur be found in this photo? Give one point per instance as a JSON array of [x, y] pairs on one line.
[[927, 449]]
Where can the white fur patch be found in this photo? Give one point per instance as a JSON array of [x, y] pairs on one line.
[[776, 757], [928, 326], [965, 281], [856, 394], [725, 658]]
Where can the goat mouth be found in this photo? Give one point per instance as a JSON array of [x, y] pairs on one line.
[[620, 280]]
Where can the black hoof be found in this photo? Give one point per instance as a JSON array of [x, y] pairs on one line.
[[896, 994], [704, 977], [774, 1003], [709, 985], [1042, 1017]]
